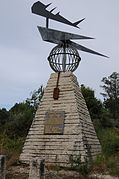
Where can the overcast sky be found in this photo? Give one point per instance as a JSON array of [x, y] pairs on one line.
[[23, 54]]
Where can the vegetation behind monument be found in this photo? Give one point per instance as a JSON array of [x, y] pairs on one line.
[[15, 123]]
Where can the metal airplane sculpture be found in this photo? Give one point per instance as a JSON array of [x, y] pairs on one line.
[[40, 9], [55, 36]]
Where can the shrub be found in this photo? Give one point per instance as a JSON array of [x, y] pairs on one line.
[[77, 165], [109, 139]]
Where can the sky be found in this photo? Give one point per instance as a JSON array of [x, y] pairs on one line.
[[23, 54]]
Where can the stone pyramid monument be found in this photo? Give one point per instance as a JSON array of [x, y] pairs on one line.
[[62, 127]]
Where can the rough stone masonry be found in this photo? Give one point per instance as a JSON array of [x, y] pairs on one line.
[[61, 128]]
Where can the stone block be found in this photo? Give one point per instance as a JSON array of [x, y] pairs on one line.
[[37, 169], [78, 136]]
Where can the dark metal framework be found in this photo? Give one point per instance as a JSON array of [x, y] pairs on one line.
[[64, 57]]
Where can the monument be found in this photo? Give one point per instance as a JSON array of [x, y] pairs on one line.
[[62, 127]]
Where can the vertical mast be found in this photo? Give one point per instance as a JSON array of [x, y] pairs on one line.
[[47, 22], [64, 56]]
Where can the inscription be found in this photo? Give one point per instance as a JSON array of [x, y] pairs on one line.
[[54, 122]]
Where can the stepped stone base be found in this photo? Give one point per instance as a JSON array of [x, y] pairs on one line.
[[61, 128]]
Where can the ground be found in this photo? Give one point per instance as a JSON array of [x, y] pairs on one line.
[[22, 171]]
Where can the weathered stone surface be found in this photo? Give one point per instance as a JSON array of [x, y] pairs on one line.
[[78, 137], [37, 169]]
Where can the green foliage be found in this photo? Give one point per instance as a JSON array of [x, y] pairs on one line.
[[105, 121], [99, 115], [111, 86], [94, 105], [113, 165], [10, 145], [4, 117], [11, 148], [111, 95], [104, 164], [109, 139], [82, 167], [109, 159], [36, 97], [20, 118]]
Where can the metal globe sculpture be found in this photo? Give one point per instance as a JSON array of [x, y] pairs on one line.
[[64, 57]]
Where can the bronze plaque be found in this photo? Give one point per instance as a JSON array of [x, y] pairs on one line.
[[54, 122]]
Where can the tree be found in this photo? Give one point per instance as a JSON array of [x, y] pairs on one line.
[[99, 115], [4, 116], [94, 105], [36, 97], [111, 94], [20, 119], [17, 121]]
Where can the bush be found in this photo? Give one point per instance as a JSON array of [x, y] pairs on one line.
[[77, 165], [109, 139], [21, 116]]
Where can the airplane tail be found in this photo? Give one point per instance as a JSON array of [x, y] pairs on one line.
[[78, 22]]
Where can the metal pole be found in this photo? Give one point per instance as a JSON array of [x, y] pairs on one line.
[[47, 22], [64, 57]]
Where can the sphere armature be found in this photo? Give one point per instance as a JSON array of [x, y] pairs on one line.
[[64, 57]]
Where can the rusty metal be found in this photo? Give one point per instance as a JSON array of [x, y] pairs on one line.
[[56, 90]]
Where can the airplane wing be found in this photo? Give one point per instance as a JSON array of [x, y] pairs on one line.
[[56, 36], [52, 35], [85, 49]]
